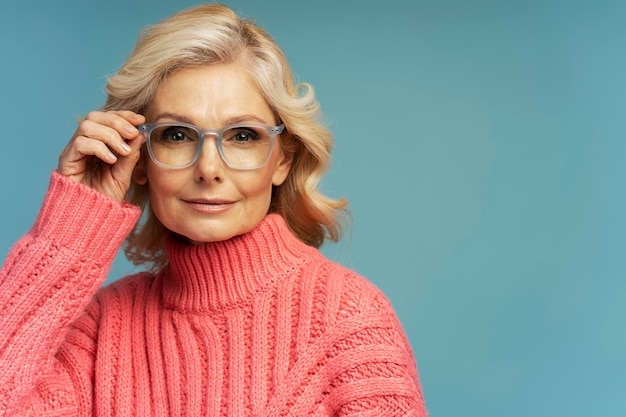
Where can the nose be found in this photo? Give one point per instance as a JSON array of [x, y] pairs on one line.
[[210, 166]]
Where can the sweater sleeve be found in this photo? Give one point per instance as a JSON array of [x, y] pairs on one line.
[[351, 356], [373, 369], [46, 282], [370, 368]]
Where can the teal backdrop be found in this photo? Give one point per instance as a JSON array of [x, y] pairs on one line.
[[481, 145]]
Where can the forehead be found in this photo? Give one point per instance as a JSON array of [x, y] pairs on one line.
[[210, 95]]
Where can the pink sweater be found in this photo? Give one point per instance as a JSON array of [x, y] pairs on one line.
[[259, 325]]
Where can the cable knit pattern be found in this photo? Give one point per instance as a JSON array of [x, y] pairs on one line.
[[259, 325]]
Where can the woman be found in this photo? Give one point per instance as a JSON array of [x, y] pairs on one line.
[[241, 314]]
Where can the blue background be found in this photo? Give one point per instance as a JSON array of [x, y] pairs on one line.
[[481, 145]]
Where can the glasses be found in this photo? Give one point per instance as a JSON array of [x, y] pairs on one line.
[[178, 145]]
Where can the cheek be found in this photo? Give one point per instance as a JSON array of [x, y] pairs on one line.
[[257, 185], [162, 178], [162, 185]]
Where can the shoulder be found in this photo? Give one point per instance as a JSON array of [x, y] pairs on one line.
[[359, 342], [127, 287], [353, 292], [114, 301], [340, 298], [118, 296]]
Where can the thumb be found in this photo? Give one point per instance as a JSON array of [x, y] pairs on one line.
[[123, 169]]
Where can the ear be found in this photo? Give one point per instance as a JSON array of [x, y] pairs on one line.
[[283, 168], [140, 175]]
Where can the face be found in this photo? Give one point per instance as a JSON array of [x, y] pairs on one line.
[[209, 201]]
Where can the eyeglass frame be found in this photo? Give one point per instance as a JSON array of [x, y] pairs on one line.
[[148, 128]]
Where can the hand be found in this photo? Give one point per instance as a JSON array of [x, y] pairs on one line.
[[104, 151]]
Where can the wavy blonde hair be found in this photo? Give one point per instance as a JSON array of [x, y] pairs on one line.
[[213, 34]]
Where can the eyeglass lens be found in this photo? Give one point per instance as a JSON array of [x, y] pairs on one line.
[[240, 146]]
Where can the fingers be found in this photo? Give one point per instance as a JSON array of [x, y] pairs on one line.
[[113, 129], [103, 151], [85, 146], [104, 135], [123, 168]]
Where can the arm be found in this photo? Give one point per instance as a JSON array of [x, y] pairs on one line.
[[45, 284], [350, 354], [374, 370], [53, 271]]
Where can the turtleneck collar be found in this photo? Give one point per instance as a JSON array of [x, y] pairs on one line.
[[217, 275]]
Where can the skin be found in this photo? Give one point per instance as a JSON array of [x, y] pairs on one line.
[[208, 201], [103, 152]]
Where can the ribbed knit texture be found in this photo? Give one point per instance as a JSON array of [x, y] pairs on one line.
[[259, 325]]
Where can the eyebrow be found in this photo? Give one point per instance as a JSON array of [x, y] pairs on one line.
[[231, 121]]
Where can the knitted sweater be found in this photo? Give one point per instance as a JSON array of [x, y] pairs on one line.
[[258, 325]]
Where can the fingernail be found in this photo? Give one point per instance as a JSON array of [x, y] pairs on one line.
[[131, 130], [126, 147]]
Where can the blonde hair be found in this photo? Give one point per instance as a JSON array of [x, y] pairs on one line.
[[213, 34]]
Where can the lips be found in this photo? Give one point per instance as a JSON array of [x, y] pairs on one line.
[[213, 206], [213, 201]]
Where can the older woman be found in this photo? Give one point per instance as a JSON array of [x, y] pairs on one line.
[[239, 314]]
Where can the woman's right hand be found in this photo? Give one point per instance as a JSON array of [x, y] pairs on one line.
[[103, 152]]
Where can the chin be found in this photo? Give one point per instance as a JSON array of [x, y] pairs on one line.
[[213, 230], [217, 236]]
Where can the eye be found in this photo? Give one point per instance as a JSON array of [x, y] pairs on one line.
[[175, 134], [241, 135]]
